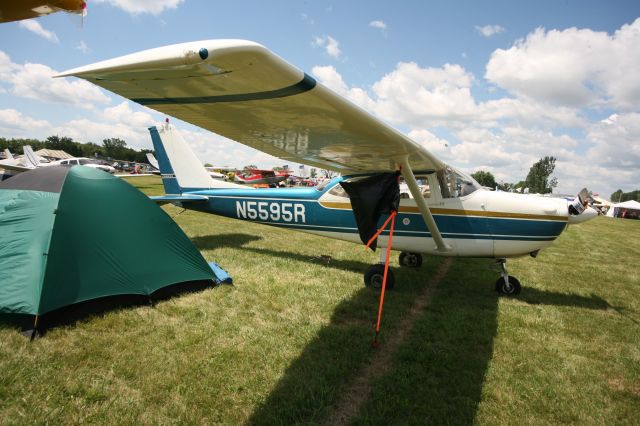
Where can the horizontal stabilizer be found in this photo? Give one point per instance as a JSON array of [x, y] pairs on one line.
[[162, 199]]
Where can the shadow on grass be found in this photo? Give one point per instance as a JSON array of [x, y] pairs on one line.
[[85, 311], [235, 240], [435, 375], [239, 240], [536, 297]]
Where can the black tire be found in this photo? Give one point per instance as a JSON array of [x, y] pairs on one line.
[[410, 260], [510, 289], [374, 275]]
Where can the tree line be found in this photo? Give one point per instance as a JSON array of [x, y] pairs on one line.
[[112, 148], [538, 180], [619, 196]]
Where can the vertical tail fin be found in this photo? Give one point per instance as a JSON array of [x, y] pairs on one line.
[[180, 168], [7, 154], [31, 158]]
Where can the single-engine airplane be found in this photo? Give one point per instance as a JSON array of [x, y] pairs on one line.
[[243, 91]]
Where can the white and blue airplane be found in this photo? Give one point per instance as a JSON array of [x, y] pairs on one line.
[[241, 90]]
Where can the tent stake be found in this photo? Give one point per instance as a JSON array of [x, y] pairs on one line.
[[34, 332]]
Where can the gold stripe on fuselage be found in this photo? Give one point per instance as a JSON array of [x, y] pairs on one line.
[[456, 212]]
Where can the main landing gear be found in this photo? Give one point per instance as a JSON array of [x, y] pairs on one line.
[[374, 274], [410, 260], [506, 284]]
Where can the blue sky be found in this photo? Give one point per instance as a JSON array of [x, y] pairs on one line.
[[491, 85]]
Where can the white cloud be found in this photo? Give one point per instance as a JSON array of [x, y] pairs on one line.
[[34, 81], [7, 68], [416, 96], [328, 76], [616, 143], [153, 7], [489, 30], [574, 67], [378, 24], [123, 114], [437, 146], [331, 45], [82, 46], [35, 27], [15, 124]]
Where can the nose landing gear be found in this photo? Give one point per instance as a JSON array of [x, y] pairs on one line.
[[507, 284]]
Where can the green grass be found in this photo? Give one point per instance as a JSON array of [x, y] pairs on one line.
[[286, 342]]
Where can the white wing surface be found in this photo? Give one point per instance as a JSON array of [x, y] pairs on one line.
[[241, 90]]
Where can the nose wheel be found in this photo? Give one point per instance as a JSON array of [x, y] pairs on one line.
[[507, 284]]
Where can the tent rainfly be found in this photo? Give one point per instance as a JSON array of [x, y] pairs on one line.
[[74, 234]]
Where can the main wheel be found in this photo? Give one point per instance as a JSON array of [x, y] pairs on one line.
[[410, 260], [374, 275], [510, 288]]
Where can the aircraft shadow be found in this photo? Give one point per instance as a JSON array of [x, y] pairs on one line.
[[238, 240], [435, 373], [235, 240], [534, 296]]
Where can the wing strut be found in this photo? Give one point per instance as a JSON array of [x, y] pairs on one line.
[[408, 176]]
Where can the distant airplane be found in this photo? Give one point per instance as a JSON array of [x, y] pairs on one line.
[[260, 177], [290, 115], [31, 160], [17, 10], [11, 166], [83, 161]]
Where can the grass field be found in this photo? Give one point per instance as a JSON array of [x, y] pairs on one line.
[[290, 341]]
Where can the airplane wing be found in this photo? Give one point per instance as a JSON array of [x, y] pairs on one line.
[[241, 90], [14, 167]]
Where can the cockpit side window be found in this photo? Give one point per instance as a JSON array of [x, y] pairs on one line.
[[455, 184]]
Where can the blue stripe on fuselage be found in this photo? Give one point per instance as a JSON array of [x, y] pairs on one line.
[[298, 208]]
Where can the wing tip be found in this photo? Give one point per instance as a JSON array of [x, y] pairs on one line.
[[174, 54]]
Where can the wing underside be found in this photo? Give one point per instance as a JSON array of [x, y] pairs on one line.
[[244, 92]]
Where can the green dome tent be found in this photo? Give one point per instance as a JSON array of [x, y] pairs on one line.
[[74, 234]]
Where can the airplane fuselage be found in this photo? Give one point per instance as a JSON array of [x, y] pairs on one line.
[[482, 224]]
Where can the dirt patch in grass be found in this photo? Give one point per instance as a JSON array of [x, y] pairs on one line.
[[621, 386], [358, 391]]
